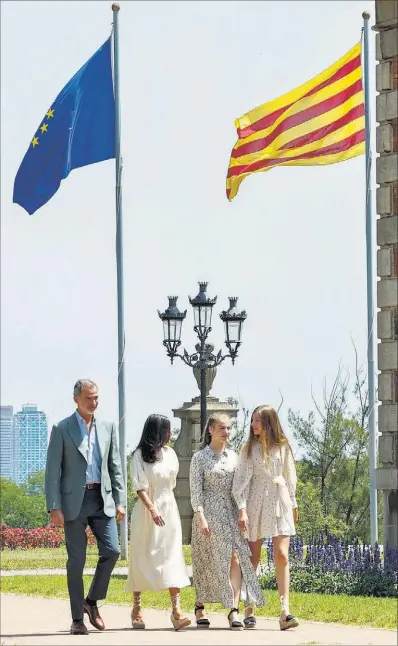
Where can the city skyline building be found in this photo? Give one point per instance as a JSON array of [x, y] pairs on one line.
[[7, 442], [30, 442]]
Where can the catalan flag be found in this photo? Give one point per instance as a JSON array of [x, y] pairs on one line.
[[321, 122]]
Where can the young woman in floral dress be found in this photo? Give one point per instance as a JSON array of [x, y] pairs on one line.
[[221, 559]]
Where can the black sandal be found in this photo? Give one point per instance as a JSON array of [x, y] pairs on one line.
[[250, 622], [289, 622], [234, 624], [203, 622]]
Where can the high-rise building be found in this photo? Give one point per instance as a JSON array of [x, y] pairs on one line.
[[6, 442], [31, 430]]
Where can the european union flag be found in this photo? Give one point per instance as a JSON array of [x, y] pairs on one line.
[[77, 130]]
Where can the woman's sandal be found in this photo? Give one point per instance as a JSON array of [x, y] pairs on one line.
[[137, 622], [201, 621], [286, 620], [249, 620], [180, 621], [234, 624], [289, 622]]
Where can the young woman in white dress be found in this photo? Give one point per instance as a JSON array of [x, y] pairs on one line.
[[156, 554], [265, 491]]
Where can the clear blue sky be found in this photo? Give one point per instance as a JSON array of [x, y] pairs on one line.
[[291, 245]]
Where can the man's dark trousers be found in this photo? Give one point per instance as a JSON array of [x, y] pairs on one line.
[[104, 529]]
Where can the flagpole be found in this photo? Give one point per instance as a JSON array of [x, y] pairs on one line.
[[370, 293], [119, 263]]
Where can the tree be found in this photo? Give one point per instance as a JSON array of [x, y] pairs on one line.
[[36, 484], [334, 441], [312, 520], [131, 494], [240, 426], [325, 439], [174, 434], [23, 505]]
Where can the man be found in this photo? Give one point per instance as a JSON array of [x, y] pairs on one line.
[[84, 486]]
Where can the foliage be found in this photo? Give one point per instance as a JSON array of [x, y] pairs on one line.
[[368, 584], [240, 426], [335, 465], [330, 565], [50, 536], [35, 485], [360, 611], [17, 537], [131, 494], [312, 520], [174, 434], [23, 505]]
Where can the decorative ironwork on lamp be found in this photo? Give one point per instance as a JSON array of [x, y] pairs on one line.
[[203, 359]]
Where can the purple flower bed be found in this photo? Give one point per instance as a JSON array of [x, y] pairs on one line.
[[334, 566]]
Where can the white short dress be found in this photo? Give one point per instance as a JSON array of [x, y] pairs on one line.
[[156, 554], [266, 488]]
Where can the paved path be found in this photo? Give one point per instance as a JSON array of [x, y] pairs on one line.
[[33, 621]]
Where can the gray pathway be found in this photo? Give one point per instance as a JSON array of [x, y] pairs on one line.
[[33, 621]]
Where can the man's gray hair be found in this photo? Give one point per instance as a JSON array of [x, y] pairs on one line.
[[80, 384]]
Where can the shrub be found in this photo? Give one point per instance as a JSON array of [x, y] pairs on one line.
[[50, 536], [330, 565]]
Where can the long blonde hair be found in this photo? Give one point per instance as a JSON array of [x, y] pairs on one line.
[[212, 420], [272, 432]]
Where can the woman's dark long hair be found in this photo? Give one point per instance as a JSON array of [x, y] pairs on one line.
[[155, 434]]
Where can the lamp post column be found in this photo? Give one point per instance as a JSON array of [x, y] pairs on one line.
[[203, 406]]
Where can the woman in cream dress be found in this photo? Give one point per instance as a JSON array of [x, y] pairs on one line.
[[264, 489], [156, 554]]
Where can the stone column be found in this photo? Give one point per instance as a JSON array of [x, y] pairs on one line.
[[185, 446], [387, 257]]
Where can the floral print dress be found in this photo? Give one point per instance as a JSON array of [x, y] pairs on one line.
[[211, 477], [266, 488]]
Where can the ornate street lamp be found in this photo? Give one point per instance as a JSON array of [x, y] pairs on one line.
[[172, 321], [203, 359]]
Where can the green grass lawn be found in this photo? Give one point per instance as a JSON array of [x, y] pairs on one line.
[[55, 558], [44, 558], [363, 611]]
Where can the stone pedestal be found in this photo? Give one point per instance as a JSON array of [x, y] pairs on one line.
[[185, 446], [387, 257]]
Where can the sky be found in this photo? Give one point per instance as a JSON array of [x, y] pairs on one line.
[[291, 245]]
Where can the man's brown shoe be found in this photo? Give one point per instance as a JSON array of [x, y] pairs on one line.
[[94, 616], [78, 628]]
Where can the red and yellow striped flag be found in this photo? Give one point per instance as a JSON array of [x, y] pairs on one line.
[[321, 122]]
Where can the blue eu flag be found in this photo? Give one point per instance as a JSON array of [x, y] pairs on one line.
[[77, 130]]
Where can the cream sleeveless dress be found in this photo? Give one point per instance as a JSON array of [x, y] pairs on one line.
[[156, 554]]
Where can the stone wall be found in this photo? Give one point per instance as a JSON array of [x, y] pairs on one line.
[[387, 257]]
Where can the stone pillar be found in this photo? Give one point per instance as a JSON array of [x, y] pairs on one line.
[[185, 446], [387, 257]]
